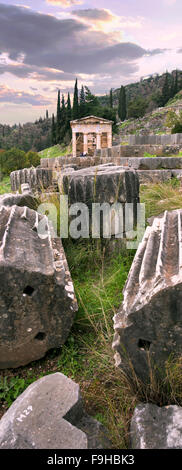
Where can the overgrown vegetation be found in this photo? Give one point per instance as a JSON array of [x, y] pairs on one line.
[[55, 151], [5, 186], [161, 196], [174, 121], [16, 159], [99, 276]]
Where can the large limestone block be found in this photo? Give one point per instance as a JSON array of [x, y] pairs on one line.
[[156, 428], [148, 327], [26, 199], [37, 178], [37, 302], [103, 183], [154, 176], [50, 415]]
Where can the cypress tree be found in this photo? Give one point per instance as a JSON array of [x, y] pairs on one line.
[[122, 104], [58, 127], [53, 131], [68, 109], [111, 99], [75, 102], [63, 111], [165, 89], [68, 116], [176, 83], [82, 102]]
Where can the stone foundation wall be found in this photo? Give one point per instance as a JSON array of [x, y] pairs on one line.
[[110, 155], [164, 139]]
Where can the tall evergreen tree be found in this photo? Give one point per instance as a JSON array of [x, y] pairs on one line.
[[53, 131], [176, 83], [68, 109], [76, 102], [68, 116], [58, 126], [111, 99], [122, 104], [166, 89], [82, 102], [63, 111], [47, 114]]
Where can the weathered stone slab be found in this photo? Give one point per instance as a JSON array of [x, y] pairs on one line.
[[50, 415], [37, 178], [156, 428], [25, 199], [37, 302], [154, 163], [164, 139], [103, 183], [148, 327], [154, 176]]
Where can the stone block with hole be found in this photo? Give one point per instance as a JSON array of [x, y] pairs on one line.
[[50, 415], [37, 300], [148, 327]]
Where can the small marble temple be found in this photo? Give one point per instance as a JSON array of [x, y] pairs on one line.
[[89, 134]]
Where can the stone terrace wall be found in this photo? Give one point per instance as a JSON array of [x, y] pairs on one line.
[[164, 139], [109, 155]]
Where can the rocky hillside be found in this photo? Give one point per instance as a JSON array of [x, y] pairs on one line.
[[149, 88], [153, 122]]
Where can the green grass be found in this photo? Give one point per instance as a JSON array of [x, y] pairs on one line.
[[87, 357], [160, 197], [55, 151], [148, 155], [5, 185]]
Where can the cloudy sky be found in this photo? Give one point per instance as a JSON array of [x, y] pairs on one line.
[[46, 44]]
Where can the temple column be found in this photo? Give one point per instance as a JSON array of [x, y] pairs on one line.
[[109, 139], [98, 141], [74, 143], [85, 143]]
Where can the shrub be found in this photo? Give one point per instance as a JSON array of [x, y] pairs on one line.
[[13, 159], [33, 158]]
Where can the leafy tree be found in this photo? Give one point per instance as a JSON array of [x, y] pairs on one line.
[[174, 121], [33, 159], [13, 159], [137, 108], [122, 104]]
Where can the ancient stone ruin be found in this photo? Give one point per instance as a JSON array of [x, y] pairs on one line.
[[37, 178], [50, 415], [26, 199], [153, 427], [104, 184], [37, 301], [148, 326]]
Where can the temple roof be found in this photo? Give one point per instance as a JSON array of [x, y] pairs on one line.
[[90, 119]]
